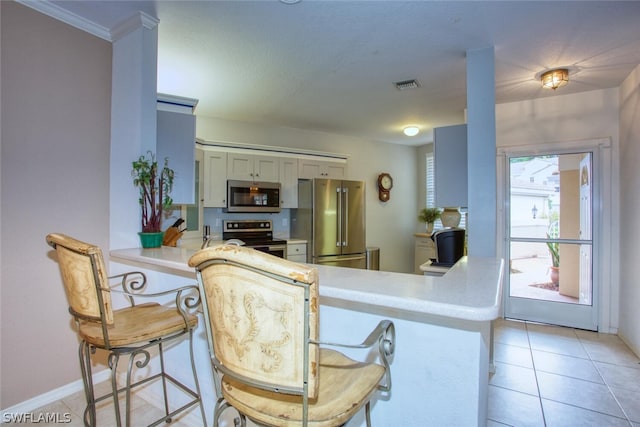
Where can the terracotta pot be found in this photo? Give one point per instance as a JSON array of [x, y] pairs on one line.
[[554, 275]]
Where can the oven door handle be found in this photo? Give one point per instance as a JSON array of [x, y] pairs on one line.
[[271, 249]]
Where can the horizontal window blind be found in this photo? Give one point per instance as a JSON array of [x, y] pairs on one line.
[[430, 187]]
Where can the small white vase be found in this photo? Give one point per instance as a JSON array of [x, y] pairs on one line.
[[429, 227], [450, 217]]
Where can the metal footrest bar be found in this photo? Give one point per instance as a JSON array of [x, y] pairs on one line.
[[89, 412], [186, 389]]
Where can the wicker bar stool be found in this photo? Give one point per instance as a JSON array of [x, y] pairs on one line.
[[261, 315], [132, 331]]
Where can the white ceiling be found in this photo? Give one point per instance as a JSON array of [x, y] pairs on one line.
[[330, 65]]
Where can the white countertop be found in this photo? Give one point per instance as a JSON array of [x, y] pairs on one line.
[[471, 289]]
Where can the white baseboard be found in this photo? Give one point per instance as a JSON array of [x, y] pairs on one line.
[[54, 395]]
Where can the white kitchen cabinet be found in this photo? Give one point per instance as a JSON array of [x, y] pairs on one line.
[[309, 169], [289, 182], [424, 250], [297, 251], [215, 179], [220, 165], [450, 165], [248, 167]]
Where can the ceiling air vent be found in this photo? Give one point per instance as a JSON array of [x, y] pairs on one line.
[[407, 84]]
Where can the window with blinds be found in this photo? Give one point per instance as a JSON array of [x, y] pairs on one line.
[[430, 184], [431, 192]]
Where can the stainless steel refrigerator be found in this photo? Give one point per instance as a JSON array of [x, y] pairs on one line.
[[331, 216]]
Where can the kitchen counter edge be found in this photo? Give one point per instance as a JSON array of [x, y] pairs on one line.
[[471, 290]]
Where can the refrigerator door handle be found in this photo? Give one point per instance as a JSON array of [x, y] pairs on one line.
[[339, 217], [342, 258], [345, 235]]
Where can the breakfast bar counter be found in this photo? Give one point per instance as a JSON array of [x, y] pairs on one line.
[[443, 354]]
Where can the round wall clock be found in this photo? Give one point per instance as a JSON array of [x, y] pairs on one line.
[[385, 184]]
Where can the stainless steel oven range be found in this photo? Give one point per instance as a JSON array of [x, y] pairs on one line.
[[256, 234]]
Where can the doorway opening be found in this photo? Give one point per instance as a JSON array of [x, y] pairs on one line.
[[549, 241]]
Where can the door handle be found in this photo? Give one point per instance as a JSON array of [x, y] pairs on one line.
[[345, 235], [350, 258], [339, 217]]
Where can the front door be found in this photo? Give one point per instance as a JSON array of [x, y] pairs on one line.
[[549, 237]]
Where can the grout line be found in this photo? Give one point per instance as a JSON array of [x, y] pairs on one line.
[[627, 418], [535, 373], [606, 383]]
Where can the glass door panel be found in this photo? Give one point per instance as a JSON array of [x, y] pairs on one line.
[[550, 238]]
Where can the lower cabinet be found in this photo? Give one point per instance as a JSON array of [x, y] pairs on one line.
[[424, 250], [297, 251]]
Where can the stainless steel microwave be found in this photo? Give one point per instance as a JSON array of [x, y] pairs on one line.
[[247, 196]]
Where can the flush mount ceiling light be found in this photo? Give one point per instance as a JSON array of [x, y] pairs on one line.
[[553, 79], [407, 84], [411, 130]]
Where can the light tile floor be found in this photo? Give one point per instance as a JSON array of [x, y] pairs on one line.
[[554, 376], [546, 376], [69, 412]]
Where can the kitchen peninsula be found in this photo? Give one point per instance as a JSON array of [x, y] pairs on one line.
[[441, 366]]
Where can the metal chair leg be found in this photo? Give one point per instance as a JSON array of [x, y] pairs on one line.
[[138, 358], [113, 365], [164, 381], [84, 354], [195, 378], [146, 357], [367, 412]]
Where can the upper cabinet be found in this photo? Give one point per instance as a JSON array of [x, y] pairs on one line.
[[450, 166], [310, 168], [248, 167], [289, 181], [223, 162], [215, 179], [176, 135]]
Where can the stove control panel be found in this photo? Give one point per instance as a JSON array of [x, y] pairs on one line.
[[247, 225]]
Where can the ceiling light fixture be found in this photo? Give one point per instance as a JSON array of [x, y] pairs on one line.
[[411, 130], [553, 79], [407, 84]]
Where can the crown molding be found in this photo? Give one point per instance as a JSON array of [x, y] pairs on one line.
[[178, 101], [61, 14], [136, 21]]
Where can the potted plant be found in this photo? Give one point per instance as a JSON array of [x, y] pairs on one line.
[[155, 184], [429, 216]]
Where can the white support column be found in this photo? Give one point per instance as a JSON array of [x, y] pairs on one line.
[[481, 153], [133, 120]]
